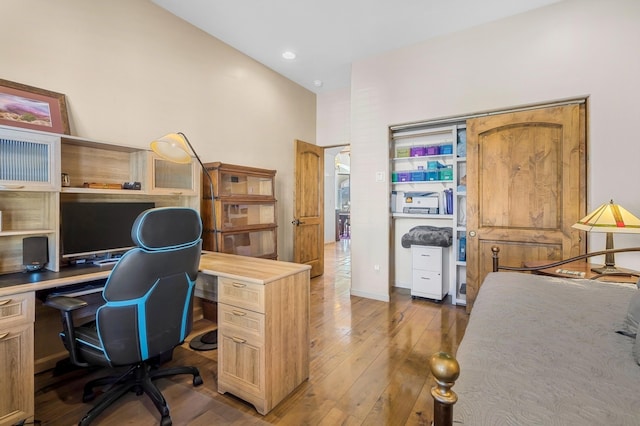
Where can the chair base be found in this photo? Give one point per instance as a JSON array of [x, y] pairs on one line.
[[205, 342], [139, 378]]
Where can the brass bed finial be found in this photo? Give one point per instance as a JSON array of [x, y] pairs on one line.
[[445, 370]]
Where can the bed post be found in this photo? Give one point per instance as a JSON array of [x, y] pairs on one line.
[[495, 250], [445, 370]]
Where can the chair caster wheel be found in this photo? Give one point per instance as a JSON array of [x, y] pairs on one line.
[[197, 381], [166, 421]]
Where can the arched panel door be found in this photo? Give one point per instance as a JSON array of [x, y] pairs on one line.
[[308, 215], [526, 186]]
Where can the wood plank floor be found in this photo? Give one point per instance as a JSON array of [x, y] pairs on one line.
[[368, 367]]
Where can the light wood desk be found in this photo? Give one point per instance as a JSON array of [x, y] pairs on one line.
[[263, 318]]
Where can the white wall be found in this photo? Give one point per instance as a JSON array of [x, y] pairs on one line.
[[133, 72], [569, 49]]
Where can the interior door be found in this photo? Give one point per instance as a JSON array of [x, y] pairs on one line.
[[526, 186], [308, 215]]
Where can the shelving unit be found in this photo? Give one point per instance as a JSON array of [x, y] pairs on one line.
[[31, 164], [424, 161], [245, 211], [460, 222]]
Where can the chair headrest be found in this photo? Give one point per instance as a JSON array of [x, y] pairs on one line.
[[179, 226]]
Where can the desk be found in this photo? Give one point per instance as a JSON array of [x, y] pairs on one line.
[[582, 267], [275, 292]]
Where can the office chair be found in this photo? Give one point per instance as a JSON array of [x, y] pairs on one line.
[[147, 310]]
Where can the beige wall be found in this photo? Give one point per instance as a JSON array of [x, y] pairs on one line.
[[132, 72], [569, 49]]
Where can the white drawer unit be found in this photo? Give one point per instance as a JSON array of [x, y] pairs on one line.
[[429, 272]]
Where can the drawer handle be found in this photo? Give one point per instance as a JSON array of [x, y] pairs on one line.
[[4, 302], [238, 313], [2, 336], [238, 340], [238, 285], [425, 255]]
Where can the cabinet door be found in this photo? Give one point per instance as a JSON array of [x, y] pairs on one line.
[[28, 161], [16, 385], [256, 243], [16, 357], [173, 178], [230, 181], [243, 215], [241, 362]]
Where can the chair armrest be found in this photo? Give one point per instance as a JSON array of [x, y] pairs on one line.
[[65, 303]]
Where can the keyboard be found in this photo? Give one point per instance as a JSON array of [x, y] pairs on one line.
[[81, 289]]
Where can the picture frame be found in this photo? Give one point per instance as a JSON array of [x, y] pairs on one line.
[[33, 108]]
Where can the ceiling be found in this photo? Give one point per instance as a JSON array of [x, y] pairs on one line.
[[329, 35]]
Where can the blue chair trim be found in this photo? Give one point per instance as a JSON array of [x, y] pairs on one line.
[[185, 314], [141, 308]]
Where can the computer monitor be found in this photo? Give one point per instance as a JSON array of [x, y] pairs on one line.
[[91, 230]]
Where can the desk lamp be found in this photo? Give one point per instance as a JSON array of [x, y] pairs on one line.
[[175, 147], [609, 218]]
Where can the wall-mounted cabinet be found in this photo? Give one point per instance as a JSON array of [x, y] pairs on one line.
[[426, 174], [31, 191], [242, 219]]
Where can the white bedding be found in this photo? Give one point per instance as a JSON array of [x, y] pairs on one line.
[[544, 351]]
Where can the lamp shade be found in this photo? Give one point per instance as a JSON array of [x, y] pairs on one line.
[[609, 217], [172, 147]]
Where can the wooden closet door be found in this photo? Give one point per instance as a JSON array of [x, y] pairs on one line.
[[526, 186]]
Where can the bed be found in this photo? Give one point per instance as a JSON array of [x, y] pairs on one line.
[[541, 350]]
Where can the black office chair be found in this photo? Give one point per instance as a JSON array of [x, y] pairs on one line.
[[147, 310]]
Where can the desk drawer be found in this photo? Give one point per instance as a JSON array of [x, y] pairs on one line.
[[17, 308], [426, 258], [241, 294], [241, 320]]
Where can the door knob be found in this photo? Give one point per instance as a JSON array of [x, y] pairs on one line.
[[472, 234], [297, 222]]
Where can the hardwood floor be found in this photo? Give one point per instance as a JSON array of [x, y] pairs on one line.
[[368, 367]]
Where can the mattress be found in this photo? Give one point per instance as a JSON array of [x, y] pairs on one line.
[[544, 351]]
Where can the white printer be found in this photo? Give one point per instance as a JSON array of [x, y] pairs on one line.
[[416, 202]]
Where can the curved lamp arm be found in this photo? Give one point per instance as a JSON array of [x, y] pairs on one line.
[[175, 147]]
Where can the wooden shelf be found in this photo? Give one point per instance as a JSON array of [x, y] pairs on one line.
[[26, 232]]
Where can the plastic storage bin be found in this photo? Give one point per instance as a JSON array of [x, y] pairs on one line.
[[402, 151], [418, 151], [404, 176], [446, 173], [434, 165], [433, 175], [433, 150], [417, 176], [446, 149]]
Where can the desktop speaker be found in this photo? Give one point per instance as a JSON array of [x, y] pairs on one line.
[[35, 253]]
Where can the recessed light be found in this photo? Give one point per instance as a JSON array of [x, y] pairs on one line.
[[317, 83], [288, 55]]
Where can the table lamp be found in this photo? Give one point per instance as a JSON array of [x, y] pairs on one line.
[[609, 218], [175, 147]]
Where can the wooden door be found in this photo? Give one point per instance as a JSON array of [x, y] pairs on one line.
[[526, 186], [308, 215]]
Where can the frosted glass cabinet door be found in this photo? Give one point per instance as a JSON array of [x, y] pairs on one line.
[[173, 178], [242, 184], [245, 215], [258, 243]]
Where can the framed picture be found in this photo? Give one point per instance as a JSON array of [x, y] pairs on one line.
[[32, 108]]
